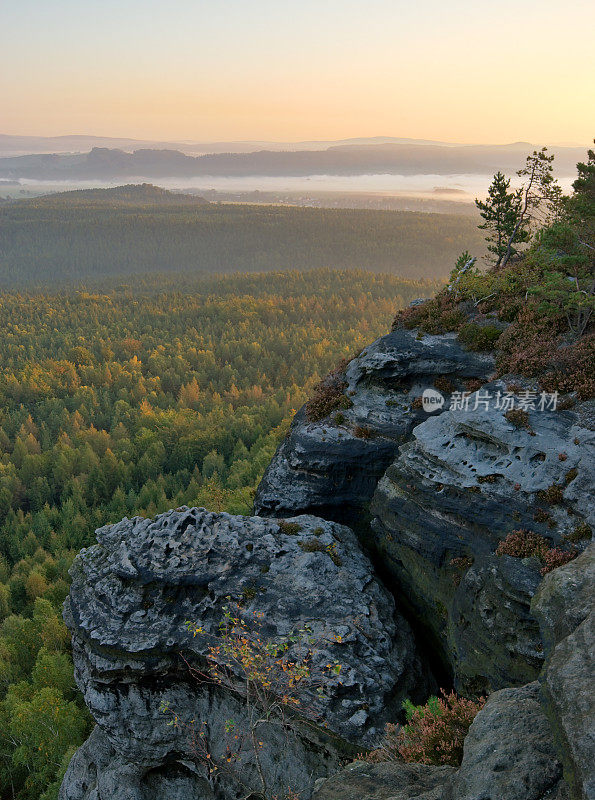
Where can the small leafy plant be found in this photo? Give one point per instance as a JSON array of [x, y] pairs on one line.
[[279, 683]]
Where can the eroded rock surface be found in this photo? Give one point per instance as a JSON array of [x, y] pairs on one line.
[[332, 469], [444, 491], [386, 781], [508, 752], [565, 608], [130, 597], [465, 480]]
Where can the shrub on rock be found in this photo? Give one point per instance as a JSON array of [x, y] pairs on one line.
[[434, 732]]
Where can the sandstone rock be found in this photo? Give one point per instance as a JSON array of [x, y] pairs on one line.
[[464, 481], [565, 598], [565, 607], [97, 771], [508, 752], [569, 683], [328, 469], [446, 489], [130, 597], [386, 781]]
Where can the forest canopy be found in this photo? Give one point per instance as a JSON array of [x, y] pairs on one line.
[[120, 400], [65, 238]]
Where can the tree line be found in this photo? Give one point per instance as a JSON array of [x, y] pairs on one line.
[[64, 240]]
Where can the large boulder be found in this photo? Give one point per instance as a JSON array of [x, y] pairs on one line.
[[508, 752], [465, 480], [331, 467], [130, 597], [565, 608]]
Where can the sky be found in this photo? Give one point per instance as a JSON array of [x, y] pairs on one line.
[[202, 70]]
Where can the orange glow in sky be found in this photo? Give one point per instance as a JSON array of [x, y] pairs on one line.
[[466, 71]]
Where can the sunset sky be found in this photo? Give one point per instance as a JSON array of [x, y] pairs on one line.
[[463, 70]]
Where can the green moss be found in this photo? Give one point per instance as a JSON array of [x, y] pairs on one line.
[[519, 418], [552, 495], [581, 532], [314, 546], [479, 337], [289, 528]]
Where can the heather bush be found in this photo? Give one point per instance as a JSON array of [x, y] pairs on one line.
[[526, 346], [553, 495], [582, 531], [444, 384], [523, 544], [541, 515], [328, 395], [573, 369], [556, 558], [534, 345], [519, 418], [439, 315], [433, 734]]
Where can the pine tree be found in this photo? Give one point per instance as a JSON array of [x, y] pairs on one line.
[[501, 212], [539, 199], [580, 207]]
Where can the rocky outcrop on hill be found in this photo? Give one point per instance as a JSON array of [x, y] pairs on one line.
[[133, 592], [441, 491], [331, 468], [431, 497]]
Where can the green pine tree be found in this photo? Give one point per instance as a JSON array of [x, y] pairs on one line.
[[501, 212]]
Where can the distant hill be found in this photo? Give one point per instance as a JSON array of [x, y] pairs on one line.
[[143, 194], [24, 145], [66, 237], [103, 163]]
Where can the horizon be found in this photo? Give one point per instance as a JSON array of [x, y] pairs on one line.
[[425, 140], [206, 73]]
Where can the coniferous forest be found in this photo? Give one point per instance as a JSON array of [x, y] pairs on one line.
[[139, 229], [132, 399]]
